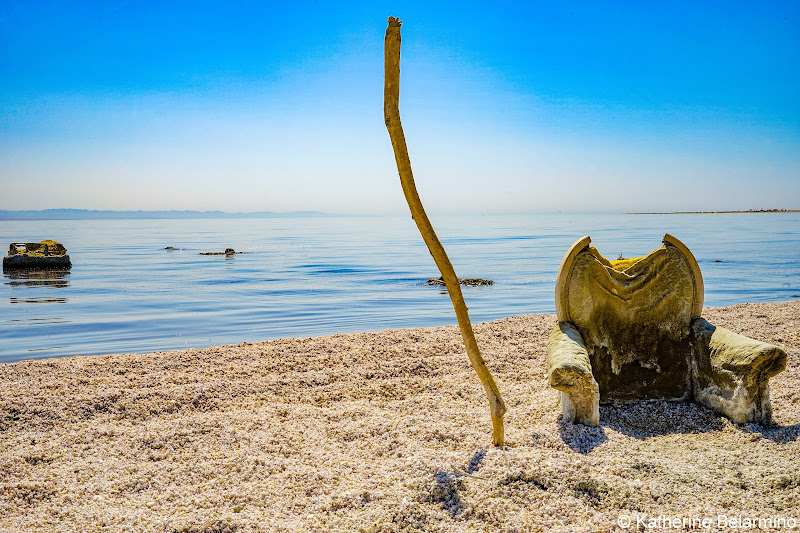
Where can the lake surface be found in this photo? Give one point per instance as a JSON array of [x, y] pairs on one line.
[[317, 276]]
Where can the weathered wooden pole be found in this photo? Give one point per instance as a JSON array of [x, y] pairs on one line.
[[391, 113]]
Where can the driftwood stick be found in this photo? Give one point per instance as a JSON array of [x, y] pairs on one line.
[[391, 94]]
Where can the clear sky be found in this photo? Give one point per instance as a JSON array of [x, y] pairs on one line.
[[528, 107]]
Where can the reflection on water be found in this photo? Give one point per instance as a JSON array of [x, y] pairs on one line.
[[53, 279], [35, 287], [38, 300], [32, 278], [46, 349], [53, 320]]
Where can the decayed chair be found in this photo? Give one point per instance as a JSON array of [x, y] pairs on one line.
[[631, 330]]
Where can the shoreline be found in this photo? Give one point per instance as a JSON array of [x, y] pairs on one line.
[[719, 212], [378, 432]]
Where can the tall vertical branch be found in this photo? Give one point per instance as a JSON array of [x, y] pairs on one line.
[[391, 113]]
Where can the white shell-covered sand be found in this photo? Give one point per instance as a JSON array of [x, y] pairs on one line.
[[380, 432]]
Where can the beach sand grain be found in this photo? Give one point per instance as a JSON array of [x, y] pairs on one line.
[[377, 432]]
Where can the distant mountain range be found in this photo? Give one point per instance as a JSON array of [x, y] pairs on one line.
[[86, 214]]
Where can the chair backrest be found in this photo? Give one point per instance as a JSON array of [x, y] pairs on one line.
[[633, 316]]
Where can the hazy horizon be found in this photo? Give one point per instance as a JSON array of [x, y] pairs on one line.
[[274, 107], [106, 214]]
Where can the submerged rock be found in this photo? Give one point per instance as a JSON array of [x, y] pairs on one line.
[[228, 251], [471, 282]]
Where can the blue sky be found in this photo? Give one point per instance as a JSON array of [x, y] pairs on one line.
[[529, 107]]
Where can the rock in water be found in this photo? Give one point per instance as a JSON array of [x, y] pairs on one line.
[[47, 254], [228, 251], [471, 282]]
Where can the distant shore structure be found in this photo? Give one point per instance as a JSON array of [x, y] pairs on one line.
[[718, 212]]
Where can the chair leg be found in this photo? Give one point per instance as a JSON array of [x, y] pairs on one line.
[[570, 372], [581, 406]]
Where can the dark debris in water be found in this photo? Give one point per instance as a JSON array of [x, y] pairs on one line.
[[470, 282], [228, 251]]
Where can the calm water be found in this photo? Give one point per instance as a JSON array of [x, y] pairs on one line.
[[316, 276]]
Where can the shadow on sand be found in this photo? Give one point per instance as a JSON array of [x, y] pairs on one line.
[[774, 432], [643, 420], [580, 438]]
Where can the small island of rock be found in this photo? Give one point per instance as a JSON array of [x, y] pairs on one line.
[[46, 254]]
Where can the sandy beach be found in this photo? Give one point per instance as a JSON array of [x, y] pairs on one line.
[[380, 432]]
